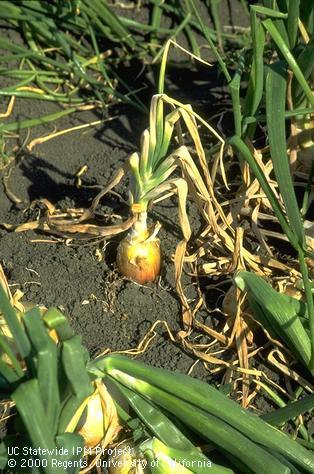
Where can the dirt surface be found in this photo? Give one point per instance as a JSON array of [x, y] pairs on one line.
[[109, 312]]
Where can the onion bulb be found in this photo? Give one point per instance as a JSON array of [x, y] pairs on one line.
[[139, 261], [139, 257], [91, 425], [97, 419]]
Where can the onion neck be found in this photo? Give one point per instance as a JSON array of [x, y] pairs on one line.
[[139, 231]]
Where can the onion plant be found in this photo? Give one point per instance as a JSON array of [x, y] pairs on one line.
[[152, 176], [71, 407], [31, 380]]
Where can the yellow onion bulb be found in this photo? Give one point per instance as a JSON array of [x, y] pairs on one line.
[[91, 425], [139, 259], [97, 419]]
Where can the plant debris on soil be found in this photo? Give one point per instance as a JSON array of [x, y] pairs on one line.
[[109, 311]]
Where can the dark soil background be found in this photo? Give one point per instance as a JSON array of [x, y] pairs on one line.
[[108, 311]]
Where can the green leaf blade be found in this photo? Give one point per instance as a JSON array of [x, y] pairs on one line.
[[27, 398], [276, 86], [47, 366]]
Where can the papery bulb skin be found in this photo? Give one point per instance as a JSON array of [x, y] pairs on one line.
[[91, 425], [139, 259]]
